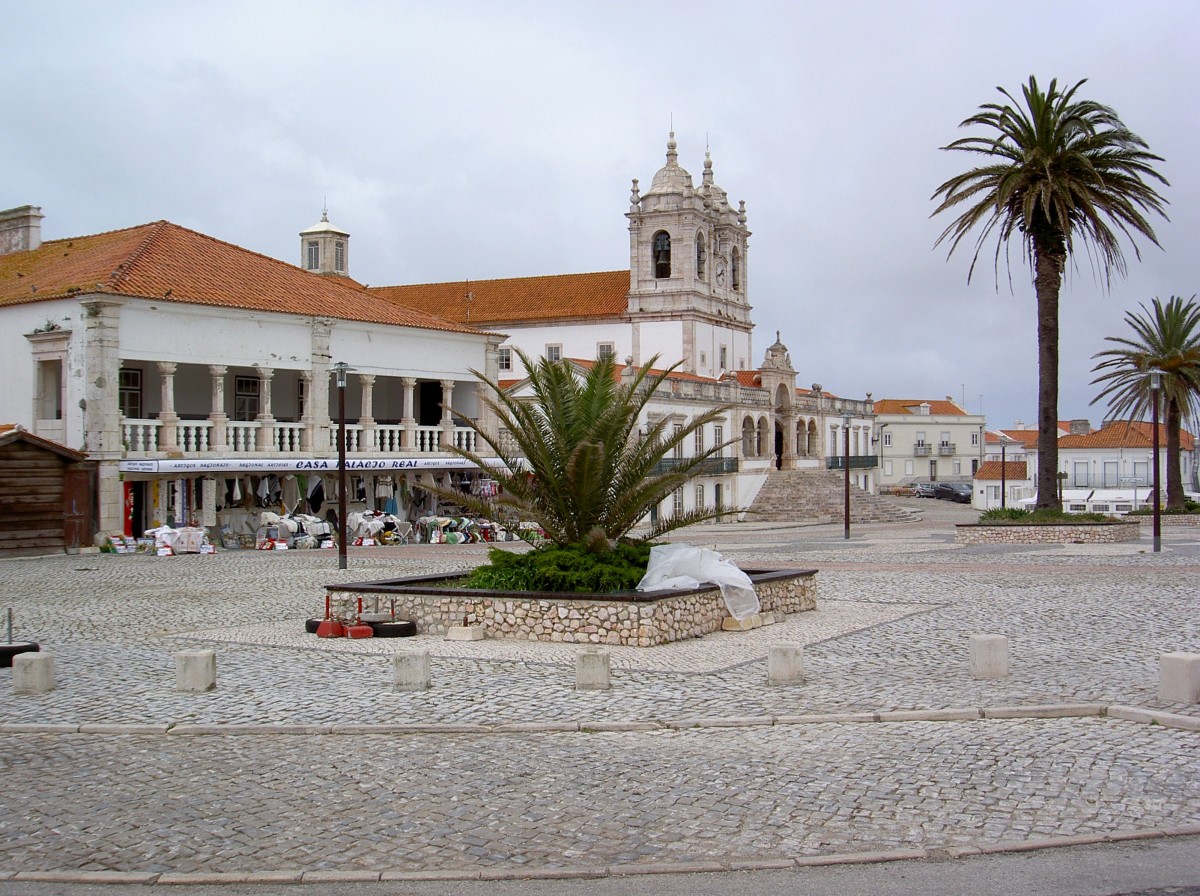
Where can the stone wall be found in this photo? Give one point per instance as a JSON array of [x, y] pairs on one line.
[[1067, 533], [642, 621]]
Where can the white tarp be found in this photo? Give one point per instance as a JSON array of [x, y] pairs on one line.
[[683, 566]]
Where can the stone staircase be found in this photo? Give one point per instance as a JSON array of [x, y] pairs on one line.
[[790, 495]]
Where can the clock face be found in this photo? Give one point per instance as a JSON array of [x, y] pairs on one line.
[[721, 274]]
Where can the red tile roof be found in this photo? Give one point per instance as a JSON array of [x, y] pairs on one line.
[[1027, 437], [1126, 434], [517, 299], [1012, 469], [940, 408], [166, 262]]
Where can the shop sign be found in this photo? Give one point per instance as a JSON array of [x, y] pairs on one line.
[[296, 465]]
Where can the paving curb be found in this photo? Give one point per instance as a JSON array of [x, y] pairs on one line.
[[950, 714], [587, 872]]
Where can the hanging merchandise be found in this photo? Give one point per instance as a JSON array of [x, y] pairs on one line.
[[289, 493], [315, 494]]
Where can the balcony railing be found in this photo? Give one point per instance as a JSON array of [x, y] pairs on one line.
[[196, 437], [920, 449], [711, 466], [857, 462], [946, 449]]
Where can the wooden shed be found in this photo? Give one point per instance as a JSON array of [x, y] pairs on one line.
[[47, 495]]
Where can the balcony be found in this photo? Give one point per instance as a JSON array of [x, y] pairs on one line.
[[920, 449], [946, 449], [712, 466], [857, 462], [142, 438]]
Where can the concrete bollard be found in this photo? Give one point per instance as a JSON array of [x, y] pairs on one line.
[[195, 671], [592, 670], [989, 656], [1179, 677], [33, 673], [411, 670], [785, 664]]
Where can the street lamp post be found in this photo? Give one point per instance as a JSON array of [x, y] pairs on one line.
[[846, 509], [1155, 386], [340, 369], [1004, 440]]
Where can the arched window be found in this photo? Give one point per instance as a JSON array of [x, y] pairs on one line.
[[701, 256], [735, 269], [662, 255]]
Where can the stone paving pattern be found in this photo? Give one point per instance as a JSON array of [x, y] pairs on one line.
[[709, 768]]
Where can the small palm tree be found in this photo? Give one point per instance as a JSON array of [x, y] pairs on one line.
[[575, 458], [1166, 339], [1057, 169]]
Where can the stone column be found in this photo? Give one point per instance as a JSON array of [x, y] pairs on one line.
[[168, 433], [789, 439], [307, 434], [318, 404], [218, 439], [408, 421], [447, 422], [266, 429], [102, 420], [366, 382]]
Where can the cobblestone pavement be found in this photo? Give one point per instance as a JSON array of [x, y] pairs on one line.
[[690, 758]]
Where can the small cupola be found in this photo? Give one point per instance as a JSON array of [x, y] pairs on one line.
[[325, 249]]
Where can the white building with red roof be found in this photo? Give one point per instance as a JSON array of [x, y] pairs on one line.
[[926, 440]]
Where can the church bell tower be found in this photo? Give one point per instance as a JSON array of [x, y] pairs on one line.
[[689, 263]]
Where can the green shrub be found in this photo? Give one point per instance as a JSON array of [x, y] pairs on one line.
[[1043, 517], [565, 568]]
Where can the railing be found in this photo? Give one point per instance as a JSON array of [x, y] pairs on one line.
[[946, 449], [857, 462], [193, 436], [241, 436], [920, 449], [710, 466], [288, 437], [140, 436]]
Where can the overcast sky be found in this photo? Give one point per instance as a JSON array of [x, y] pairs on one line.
[[474, 140]]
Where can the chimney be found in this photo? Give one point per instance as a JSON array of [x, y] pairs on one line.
[[20, 229], [1080, 427]]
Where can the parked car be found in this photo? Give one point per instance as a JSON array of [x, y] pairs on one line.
[[925, 490], [953, 491]]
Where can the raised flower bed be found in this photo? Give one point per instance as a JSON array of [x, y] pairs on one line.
[[631, 618]]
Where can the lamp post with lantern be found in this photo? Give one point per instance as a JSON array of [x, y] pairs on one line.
[[1155, 387], [846, 455], [340, 369]]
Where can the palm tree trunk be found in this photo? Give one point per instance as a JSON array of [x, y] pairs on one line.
[[1174, 475], [1049, 257]]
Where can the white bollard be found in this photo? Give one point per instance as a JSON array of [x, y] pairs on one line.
[[785, 664], [411, 670], [1179, 677], [195, 671], [33, 673], [989, 656], [592, 670]]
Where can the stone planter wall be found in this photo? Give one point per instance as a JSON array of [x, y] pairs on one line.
[[638, 619], [1176, 519], [1066, 533]]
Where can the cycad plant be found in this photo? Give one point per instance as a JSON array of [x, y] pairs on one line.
[[1055, 170], [1167, 339], [578, 457]]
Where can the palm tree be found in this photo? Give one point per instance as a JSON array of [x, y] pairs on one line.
[[575, 458], [1166, 339], [1056, 169]]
